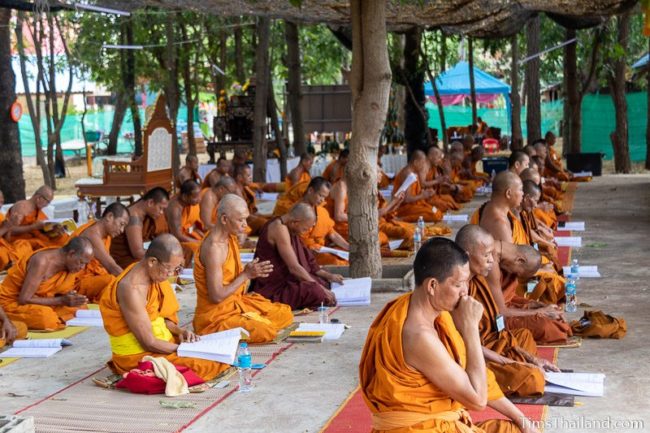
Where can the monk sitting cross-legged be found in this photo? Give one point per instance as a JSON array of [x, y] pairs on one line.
[[415, 203], [438, 181], [102, 269], [296, 280], [221, 282], [31, 223], [39, 289], [10, 331], [301, 172], [223, 169], [210, 198], [544, 212], [140, 312], [335, 170], [422, 365], [144, 217], [511, 353], [11, 250], [189, 171], [184, 218], [244, 179]]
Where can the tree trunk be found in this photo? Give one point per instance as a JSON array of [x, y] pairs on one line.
[[573, 96], [187, 87], [436, 95], [261, 91], [415, 127], [517, 136], [294, 83], [443, 52], [129, 81], [472, 85], [272, 112], [239, 54], [172, 88], [647, 129], [121, 106], [12, 183], [370, 84], [223, 59], [617, 85], [533, 108]]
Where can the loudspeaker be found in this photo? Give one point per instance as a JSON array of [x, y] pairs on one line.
[[592, 162]]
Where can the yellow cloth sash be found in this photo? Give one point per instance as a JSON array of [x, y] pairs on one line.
[[127, 344], [400, 419]]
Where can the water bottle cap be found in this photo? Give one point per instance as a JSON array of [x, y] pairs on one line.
[[243, 344]]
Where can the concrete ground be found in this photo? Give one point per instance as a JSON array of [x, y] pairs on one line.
[[304, 386]]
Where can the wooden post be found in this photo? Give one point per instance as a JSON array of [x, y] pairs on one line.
[[261, 103], [515, 99], [472, 85]]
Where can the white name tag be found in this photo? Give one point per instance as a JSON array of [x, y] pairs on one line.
[[530, 286], [434, 209], [500, 322]]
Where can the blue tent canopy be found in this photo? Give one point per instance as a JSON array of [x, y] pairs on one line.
[[643, 61], [455, 81]]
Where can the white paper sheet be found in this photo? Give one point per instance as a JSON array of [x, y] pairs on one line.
[[393, 245], [345, 255], [88, 313], [42, 343], [583, 384], [219, 346], [585, 271], [333, 331], [92, 318], [410, 180], [30, 352], [269, 196], [569, 241], [572, 226], [353, 292], [246, 257], [455, 217]]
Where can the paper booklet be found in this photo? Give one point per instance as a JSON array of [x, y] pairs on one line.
[[219, 346], [585, 271], [333, 331], [38, 348], [353, 292], [571, 226], [86, 318], [455, 217], [393, 245], [68, 224], [584, 384], [410, 180], [568, 241], [345, 255]]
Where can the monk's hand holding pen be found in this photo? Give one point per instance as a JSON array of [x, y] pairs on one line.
[[257, 269]]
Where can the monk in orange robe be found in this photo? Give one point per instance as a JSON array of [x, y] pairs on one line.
[[102, 269], [553, 162], [322, 233], [438, 181], [190, 171], [415, 203], [39, 289], [336, 169], [301, 173], [32, 219], [11, 251], [476, 155], [511, 353], [422, 365], [140, 312], [222, 298], [184, 218], [244, 179], [223, 169], [543, 212], [142, 227], [467, 188], [292, 196], [210, 198], [10, 331]]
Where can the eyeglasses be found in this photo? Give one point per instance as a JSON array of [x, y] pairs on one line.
[[176, 271], [45, 199]]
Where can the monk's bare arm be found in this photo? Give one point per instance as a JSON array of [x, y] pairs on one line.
[[214, 258], [338, 240], [294, 176], [101, 254], [509, 410], [133, 233], [498, 227], [494, 282], [134, 309], [34, 276], [397, 200], [208, 202], [22, 209], [492, 356], [339, 191], [280, 237], [7, 329], [174, 222]]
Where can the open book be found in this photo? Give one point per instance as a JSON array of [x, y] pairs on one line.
[[410, 180], [333, 331], [353, 292], [460, 217], [68, 224], [585, 384], [41, 348], [568, 241], [86, 318], [345, 255], [219, 346], [571, 226]]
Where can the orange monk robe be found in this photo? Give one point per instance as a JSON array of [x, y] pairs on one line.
[[161, 304], [316, 238], [444, 202], [342, 228], [468, 189], [12, 252], [560, 173], [292, 196], [21, 332], [485, 177], [255, 222], [333, 171], [120, 250], [37, 238], [515, 378], [251, 311], [549, 218], [411, 212], [304, 177], [94, 278], [401, 398], [40, 317], [383, 180], [549, 252], [190, 221]]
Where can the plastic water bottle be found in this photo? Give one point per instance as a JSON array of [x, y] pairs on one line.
[[570, 290], [83, 210], [575, 269], [492, 176], [417, 239], [244, 362], [421, 225], [323, 317]]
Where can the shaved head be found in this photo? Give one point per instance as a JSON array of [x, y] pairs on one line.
[[531, 188], [504, 181], [78, 245], [302, 212], [530, 174], [225, 182], [472, 235], [417, 155], [231, 203], [164, 247], [456, 146], [532, 257]]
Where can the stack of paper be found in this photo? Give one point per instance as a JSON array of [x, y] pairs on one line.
[[345, 255], [585, 271], [455, 217], [410, 180], [87, 318], [219, 346], [35, 348], [333, 331], [353, 292], [584, 384], [571, 226], [568, 241], [306, 336]]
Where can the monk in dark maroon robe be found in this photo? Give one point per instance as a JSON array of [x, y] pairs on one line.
[[296, 280]]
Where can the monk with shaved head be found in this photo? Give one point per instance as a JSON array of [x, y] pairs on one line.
[[190, 171], [30, 221], [140, 312], [434, 177], [223, 301], [184, 218], [296, 280], [416, 203], [210, 198], [422, 365]]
